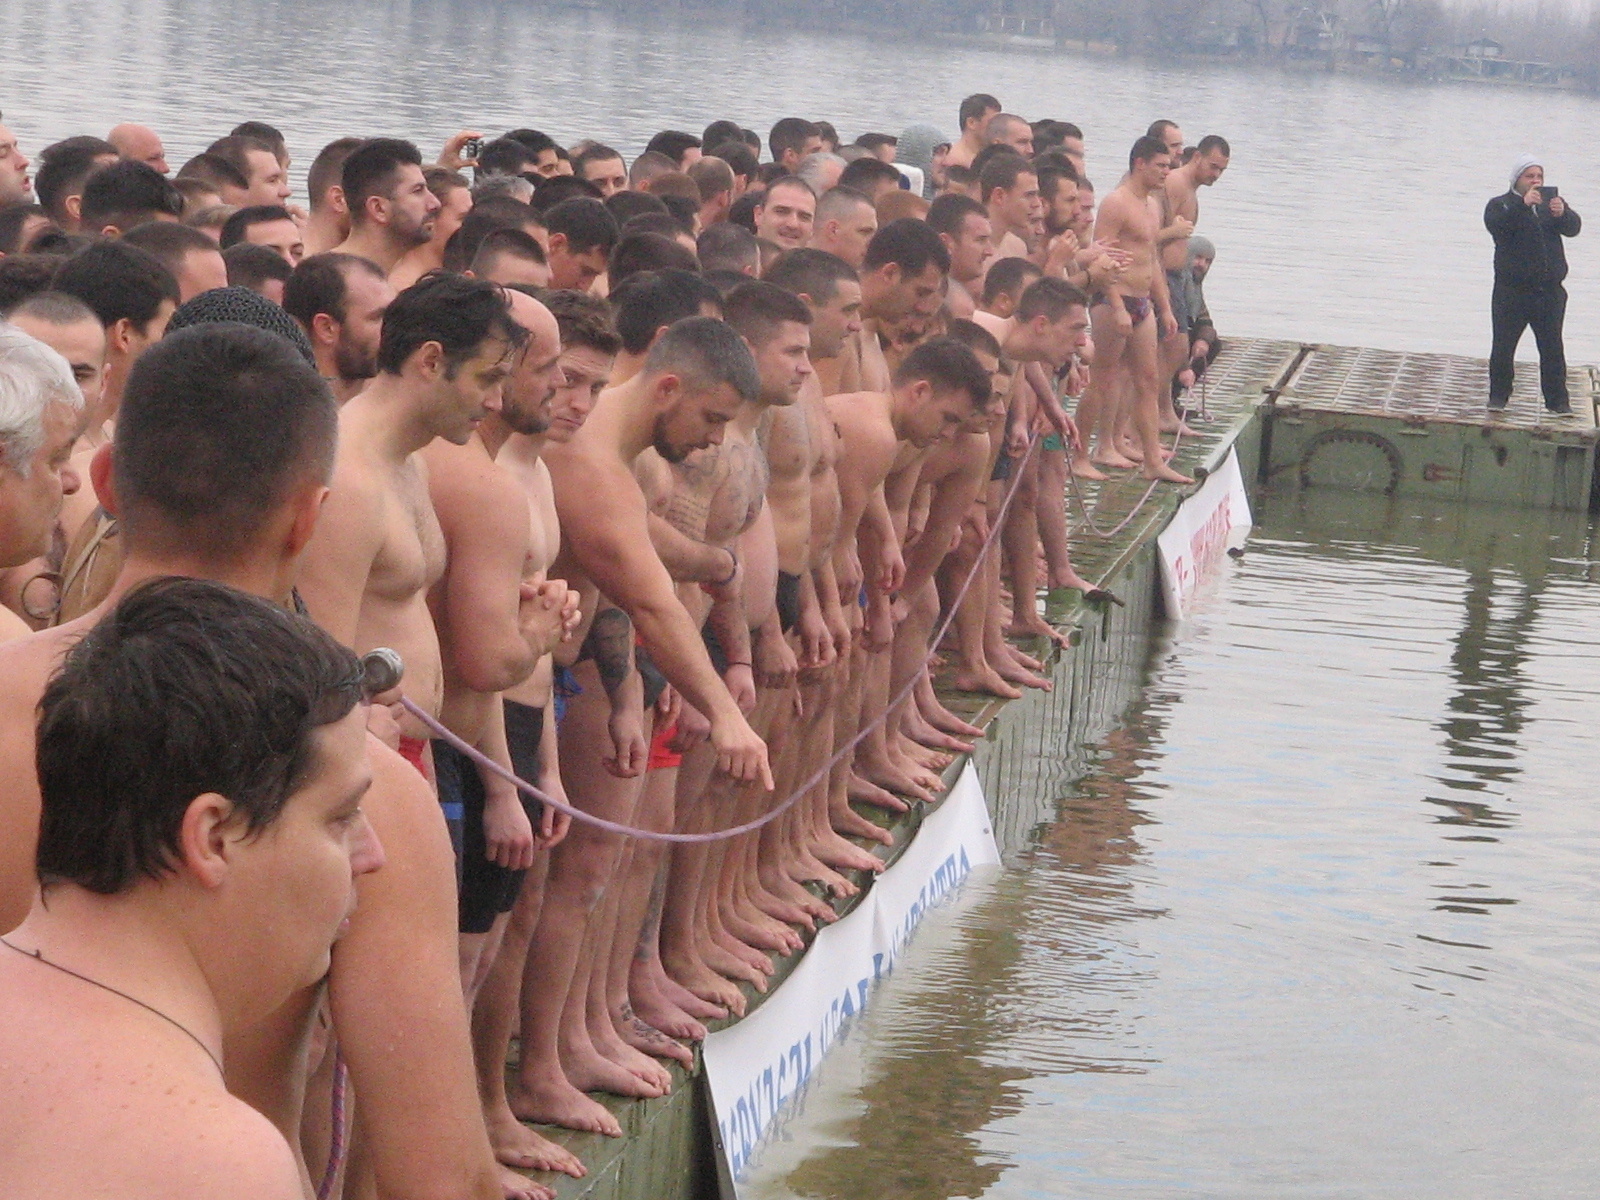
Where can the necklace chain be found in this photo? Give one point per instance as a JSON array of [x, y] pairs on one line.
[[38, 956]]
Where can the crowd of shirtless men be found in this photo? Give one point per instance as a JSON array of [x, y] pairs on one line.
[[657, 476]]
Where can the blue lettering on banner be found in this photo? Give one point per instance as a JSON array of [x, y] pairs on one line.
[[759, 1107]]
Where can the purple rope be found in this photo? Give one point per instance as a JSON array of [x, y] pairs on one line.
[[338, 1148], [577, 814]]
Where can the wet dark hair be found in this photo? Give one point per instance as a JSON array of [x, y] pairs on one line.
[[641, 251], [673, 143], [1006, 276], [707, 353], [756, 309], [319, 285], [728, 247], [948, 365], [370, 170], [864, 173], [1214, 141], [584, 320], [24, 275], [738, 156], [586, 223], [949, 212], [169, 241], [814, 273], [548, 193], [719, 132], [63, 169], [791, 133], [1049, 298], [148, 712], [327, 168], [237, 227], [458, 313], [645, 302], [505, 156], [1002, 171], [268, 135], [14, 219], [910, 245], [218, 424], [117, 281], [975, 337], [598, 152], [1145, 149], [624, 206], [482, 220], [974, 107], [250, 265], [126, 194], [509, 241]]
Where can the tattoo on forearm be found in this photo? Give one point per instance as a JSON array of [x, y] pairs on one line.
[[611, 644]]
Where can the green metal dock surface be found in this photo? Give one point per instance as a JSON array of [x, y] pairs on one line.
[[1297, 415]]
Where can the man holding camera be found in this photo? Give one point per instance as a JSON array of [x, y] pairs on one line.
[[1528, 223]]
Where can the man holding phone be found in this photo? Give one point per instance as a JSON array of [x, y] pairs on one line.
[[1528, 223]]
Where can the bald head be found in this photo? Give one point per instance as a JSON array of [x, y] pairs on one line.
[[525, 402], [141, 144]]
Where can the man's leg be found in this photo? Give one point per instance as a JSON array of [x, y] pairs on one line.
[[1509, 317], [1547, 319], [1142, 358]]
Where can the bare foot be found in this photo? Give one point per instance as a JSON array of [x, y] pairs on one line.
[[1037, 627], [652, 1005], [705, 984], [986, 681], [589, 1070], [675, 993], [517, 1146], [726, 962], [758, 926], [847, 821], [1164, 474], [930, 737], [1114, 460], [608, 1041], [863, 792], [1017, 673], [892, 778], [1084, 469], [1068, 578], [1173, 425], [647, 1039], [519, 1187], [834, 851], [814, 870], [1023, 659], [555, 1101]]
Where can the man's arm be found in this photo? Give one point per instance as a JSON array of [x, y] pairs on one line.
[[953, 497], [1500, 215], [1569, 223], [492, 644], [395, 992], [686, 559], [604, 527], [338, 560]]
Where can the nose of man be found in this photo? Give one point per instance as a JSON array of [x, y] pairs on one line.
[[366, 851]]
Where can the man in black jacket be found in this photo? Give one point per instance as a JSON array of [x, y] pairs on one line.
[[1529, 265]]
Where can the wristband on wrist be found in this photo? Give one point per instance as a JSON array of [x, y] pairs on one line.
[[733, 569]]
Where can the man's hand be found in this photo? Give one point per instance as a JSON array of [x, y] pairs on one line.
[[776, 663], [383, 718], [507, 832], [693, 728], [1063, 250], [1533, 197], [879, 631], [630, 754], [740, 753], [728, 590], [1166, 323], [1558, 207], [892, 573], [816, 640], [740, 679], [553, 824], [542, 614], [1180, 228], [450, 157], [1016, 439]]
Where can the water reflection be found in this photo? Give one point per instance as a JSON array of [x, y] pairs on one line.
[[1254, 956]]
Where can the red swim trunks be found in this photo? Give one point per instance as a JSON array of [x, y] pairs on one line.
[[661, 754], [414, 751]]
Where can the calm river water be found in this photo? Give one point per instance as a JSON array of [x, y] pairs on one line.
[[1319, 924], [1352, 212]]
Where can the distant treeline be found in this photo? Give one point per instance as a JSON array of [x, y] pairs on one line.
[[1424, 36]]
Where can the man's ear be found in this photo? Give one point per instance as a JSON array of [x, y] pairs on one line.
[[100, 478], [307, 508], [558, 242], [206, 840], [324, 329]]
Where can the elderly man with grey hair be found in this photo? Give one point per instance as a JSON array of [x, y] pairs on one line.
[[41, 416], [821, 171]]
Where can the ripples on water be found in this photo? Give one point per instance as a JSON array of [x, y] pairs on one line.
[[1352, 211], [1320, 925]]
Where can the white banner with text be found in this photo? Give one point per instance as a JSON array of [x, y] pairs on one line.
[[1206, 526], [755, 1066]]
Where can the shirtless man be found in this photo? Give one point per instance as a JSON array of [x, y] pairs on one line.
[[693, 381], [498, 617], [120, 992], [392, 212], [201, 404], [787, 213], [963, 225], [515, 982], [329, 222], [902, 280], [1183, 201], [974, 121], [339, 300], [44, 415], [134, 296], [1133, 316], [937, 389], [845, 224], [447, 346], [1011, 193], [141, 144]]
